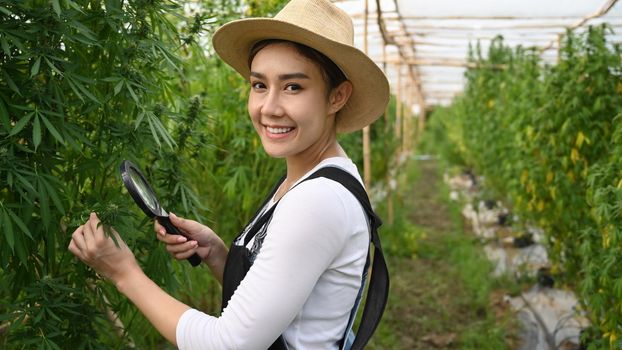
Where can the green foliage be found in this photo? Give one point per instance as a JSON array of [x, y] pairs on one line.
[[263, 8], [83, 85], [441, 139], [401, 238], [548, 138]]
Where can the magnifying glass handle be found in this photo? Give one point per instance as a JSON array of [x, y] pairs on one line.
[[170, 228]]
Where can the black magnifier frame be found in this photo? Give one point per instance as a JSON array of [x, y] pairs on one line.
[[145, 198]]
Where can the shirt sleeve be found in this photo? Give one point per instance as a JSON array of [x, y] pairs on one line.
[[304, 237]]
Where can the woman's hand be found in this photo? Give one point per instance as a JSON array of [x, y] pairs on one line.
[[91, 245], [197, 238]]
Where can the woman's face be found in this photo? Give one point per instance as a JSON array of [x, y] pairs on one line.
[[288, 102]]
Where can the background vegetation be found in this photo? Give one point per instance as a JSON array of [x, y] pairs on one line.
[[548, 139]]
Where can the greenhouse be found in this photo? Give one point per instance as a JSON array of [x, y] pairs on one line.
[[492, 160]]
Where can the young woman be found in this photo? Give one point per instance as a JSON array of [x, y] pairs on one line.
[[292, 277]]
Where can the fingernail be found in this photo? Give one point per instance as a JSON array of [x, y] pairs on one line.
[[162, 232], [181, 239]]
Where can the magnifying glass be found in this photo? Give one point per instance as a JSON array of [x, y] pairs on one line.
[[143, 195]]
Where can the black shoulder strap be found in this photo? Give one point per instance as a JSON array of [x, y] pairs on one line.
[[378, 290]]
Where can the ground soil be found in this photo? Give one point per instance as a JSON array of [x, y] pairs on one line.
[[428, 308]]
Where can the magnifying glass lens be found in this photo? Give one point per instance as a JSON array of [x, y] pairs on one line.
[[143, 189], [143, 195]]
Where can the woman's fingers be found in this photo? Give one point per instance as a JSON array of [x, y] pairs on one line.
[[73, 248], [92, 245], [77, 243], [189, 227], [159, 229], [195, 238], [93, 222], [181, 247], [171, 238], [78, 238], [182, 250], [184, 255], [97, 230], [89, 239]]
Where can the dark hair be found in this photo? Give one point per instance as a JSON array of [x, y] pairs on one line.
[[333, 76]]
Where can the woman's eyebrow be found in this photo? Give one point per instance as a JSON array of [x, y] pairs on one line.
[[289, 76], [258, 75], [286, 76]]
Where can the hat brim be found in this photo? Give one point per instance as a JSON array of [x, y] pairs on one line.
[[370, 94]]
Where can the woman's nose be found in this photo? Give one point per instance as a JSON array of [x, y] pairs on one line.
[[272, 104]]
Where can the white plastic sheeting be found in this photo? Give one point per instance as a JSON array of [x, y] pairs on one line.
[[551, 318], [433, 36]]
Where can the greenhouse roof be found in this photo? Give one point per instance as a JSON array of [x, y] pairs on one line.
[[428, 41]]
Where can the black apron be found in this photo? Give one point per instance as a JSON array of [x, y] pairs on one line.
[[239, 261]]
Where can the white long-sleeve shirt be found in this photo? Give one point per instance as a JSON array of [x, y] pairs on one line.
[[304, 281]]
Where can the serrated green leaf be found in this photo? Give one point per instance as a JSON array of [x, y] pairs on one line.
[[85, 91], [17, 42], [20, 250], [50, 344], [162, 131], [8, 230], [184, 200], [153, 132], [35, 67], [4, 117], [169, 57], [74, 6], [139, 120], [20, 223], [53, 195], [85, 40], [72, 142], [27, 185], [10, 82], [75, 89], [52, 66], [5, 11], [5, 46], [129, 88], [56, 7], [44, 204], [84, 30], [118, 87], [21, 124], [111, 79], [36, 132], [52, 130], [50, 113]]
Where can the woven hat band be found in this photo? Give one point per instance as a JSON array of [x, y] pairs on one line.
[[327, 20]]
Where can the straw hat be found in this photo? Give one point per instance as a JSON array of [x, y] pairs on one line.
[[323, 26]]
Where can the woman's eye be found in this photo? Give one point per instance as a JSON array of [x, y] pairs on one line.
[[292, 87], [258, 85]]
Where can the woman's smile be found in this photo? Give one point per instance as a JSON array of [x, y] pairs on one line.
[[279, 132]]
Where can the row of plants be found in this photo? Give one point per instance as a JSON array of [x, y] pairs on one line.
[[548, 139], [85, 84]]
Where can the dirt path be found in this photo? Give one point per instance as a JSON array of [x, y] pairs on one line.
[[434, 302]]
